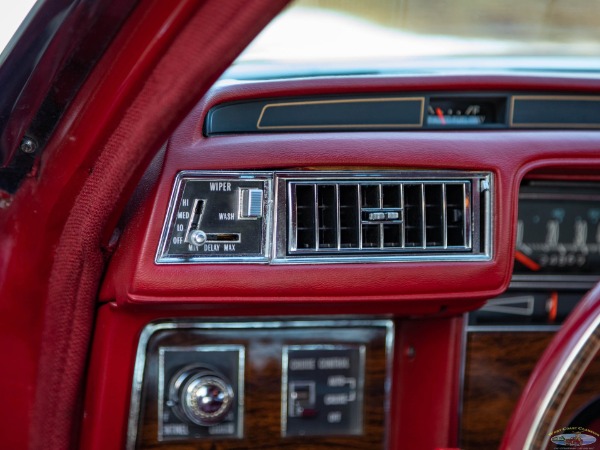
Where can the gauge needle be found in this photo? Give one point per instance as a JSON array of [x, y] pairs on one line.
[[440, 115], [527, 261], [552, 306]]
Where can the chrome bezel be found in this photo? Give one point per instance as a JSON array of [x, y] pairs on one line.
[[360, 383], [162, 257], [275, 228], [284, 221], [550, 281], [201, 348], [526, 328]]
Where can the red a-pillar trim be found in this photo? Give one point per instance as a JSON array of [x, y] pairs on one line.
[[164, 59]]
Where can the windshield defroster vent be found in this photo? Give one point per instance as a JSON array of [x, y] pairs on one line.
[[403, 215]]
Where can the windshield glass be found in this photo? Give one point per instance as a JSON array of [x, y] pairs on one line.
[[315, 36], [12, 14]]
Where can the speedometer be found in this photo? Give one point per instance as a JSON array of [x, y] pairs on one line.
[[558, 229]]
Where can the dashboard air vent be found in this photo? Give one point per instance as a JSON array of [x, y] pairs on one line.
[[375, 215]]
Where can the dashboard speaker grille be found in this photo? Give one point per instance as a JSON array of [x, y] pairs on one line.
[[384, 216]]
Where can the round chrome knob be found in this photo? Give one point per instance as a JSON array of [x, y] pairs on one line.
[[206, 399], [201, 395], [197, 237]]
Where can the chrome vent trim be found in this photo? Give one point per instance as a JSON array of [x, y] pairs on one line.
[[321, 222], [357, 217]]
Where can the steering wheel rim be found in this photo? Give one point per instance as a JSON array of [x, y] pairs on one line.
[[555, 376]]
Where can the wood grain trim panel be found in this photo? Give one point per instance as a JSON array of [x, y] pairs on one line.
[[262, 392], [498, 365]]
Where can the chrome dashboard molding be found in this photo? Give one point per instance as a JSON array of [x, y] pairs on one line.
[[175, 324], [292, 228], [551, 281], [478, 182], [358, 259], [275, 233], [511, 328], [558, 196]]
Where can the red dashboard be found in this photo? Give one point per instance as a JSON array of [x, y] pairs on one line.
[[322, 262], [425, 299]]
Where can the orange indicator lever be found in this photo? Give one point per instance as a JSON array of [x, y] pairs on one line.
[[527, 261]]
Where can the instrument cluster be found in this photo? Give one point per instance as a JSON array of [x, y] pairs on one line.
[[558, 229]]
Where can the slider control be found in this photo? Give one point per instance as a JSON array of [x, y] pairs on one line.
[[195, 235], [199, 237]]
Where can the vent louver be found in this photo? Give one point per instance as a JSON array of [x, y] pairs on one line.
[[407, 216]]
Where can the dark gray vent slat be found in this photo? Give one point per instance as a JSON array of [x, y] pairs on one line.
[[371, 232], [392, 234], [316, 215], [305, 216], [349, 217], [359, 215], [413, 222], [444, 218], [337, 217], [327, 217], [455, 212], [423, 217], [434, 221], [403, 233], [380, 195]]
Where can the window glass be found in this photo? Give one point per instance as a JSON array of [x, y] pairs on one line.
[[12, 14], [362, 34]]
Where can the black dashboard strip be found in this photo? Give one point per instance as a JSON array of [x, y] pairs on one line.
[[419, 111], [392, 112], [556, 111], [317, 114]]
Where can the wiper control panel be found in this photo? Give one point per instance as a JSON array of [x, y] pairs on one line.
[[218, 217]]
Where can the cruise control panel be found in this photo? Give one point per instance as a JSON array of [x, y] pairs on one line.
[[262, 384], [323, 381]]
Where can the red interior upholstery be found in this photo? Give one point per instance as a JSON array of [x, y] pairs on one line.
[[63, 217], [164, 59]]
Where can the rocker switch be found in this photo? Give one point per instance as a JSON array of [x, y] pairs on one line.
[[302, 399], [251, 203]]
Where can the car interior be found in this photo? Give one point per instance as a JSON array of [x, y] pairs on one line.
[[201, 250]]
